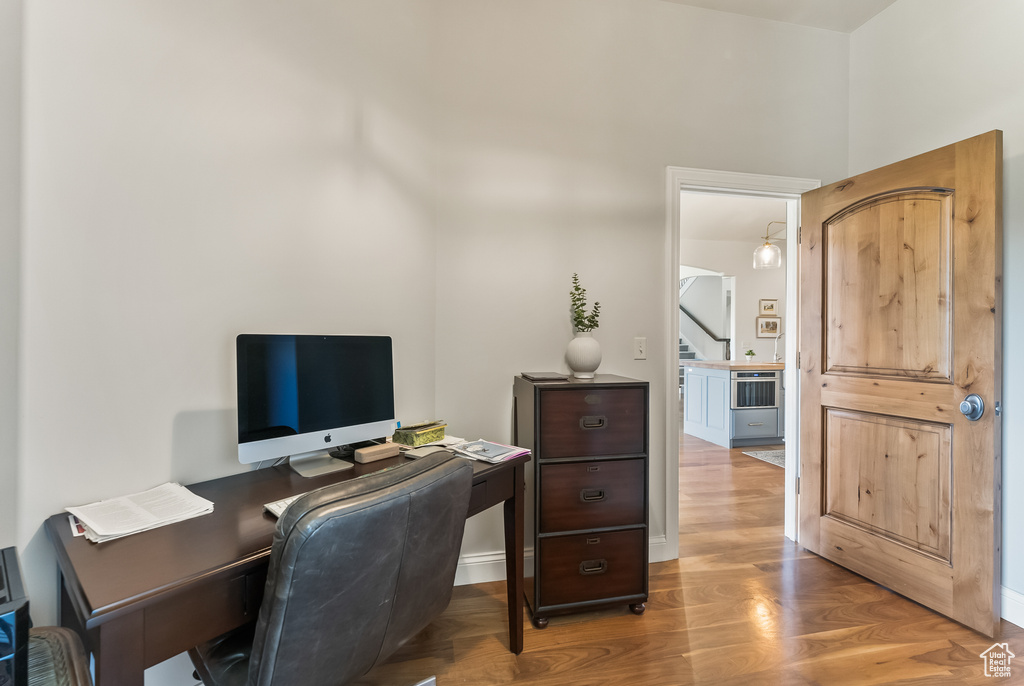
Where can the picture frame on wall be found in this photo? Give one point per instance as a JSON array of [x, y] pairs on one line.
[[769, 327], [768, 307]]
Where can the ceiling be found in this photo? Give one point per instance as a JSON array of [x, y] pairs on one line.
[[729, 217], [834, 15]]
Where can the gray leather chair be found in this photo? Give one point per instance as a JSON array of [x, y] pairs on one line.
[[356, 570]]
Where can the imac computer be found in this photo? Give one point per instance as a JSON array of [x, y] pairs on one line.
[[306, 396]]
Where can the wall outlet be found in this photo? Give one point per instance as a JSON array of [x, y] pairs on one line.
[[640, 348]]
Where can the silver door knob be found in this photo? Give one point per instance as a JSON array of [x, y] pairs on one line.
[[973, 407]]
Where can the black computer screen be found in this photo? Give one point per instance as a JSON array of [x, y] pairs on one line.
[[298, 384]]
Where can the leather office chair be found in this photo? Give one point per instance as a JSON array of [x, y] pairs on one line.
[[356, 570]]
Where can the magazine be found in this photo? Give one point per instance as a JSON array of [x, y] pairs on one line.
[[488, 451]]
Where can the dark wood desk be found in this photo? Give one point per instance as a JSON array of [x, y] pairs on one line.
[[139, 600]]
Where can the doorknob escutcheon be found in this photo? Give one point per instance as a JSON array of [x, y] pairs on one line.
[[972, 407]]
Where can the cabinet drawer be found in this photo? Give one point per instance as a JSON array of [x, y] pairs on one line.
[[591, 495], [594, 422], [578, 568], [755, 423]]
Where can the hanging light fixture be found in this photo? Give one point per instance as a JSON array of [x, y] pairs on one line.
[[768, 256]]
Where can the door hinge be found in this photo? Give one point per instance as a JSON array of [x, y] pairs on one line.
[[798, 485], [799, 235], [798, 359]]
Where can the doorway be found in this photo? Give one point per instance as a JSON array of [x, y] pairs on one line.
[[737, 185]]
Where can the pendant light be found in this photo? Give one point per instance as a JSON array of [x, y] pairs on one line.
[[768, 256]]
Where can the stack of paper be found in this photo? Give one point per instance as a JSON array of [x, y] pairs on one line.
[[488, 451], [130, 514]]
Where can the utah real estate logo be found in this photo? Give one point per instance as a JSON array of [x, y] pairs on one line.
[[997, 660]]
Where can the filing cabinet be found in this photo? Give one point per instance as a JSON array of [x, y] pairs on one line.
[[590, 496]]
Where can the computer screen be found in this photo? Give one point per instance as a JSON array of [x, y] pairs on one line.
[[302, 396]]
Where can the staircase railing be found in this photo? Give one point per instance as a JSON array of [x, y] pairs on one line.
[[707, 334]]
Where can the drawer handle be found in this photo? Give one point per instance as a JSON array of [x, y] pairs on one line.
[[755, 423], [593, 422], [594, 540], [592, 495], [592, 567]]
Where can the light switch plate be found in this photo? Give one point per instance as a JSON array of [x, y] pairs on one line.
[[640, 348]]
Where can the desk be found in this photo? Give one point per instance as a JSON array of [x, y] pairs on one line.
[[139, 600]]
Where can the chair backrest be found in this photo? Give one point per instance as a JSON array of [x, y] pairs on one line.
[[357, 569]]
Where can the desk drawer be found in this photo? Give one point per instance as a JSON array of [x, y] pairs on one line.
[[205, 612], [592, 423], [591, 495], [587, 567]]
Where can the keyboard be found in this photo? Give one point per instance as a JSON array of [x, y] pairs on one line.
[[278, 507]]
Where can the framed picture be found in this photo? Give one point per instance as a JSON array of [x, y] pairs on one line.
[[768, 308], [769, 327]]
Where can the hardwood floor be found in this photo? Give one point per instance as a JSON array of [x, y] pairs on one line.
[[742, 605]]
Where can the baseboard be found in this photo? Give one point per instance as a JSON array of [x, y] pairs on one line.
[[1013, 607], [658, 551], [479, 568]]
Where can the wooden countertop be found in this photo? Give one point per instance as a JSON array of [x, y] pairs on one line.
[[735, 365]]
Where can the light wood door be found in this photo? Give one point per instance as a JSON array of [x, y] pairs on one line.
[[900, 295]]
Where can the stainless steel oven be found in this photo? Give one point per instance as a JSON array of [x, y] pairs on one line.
[[755, 389]]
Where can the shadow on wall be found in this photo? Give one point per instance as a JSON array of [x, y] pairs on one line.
[[204, 445]]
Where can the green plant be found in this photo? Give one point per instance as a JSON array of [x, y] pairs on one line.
[[581, 321], [750, 353]]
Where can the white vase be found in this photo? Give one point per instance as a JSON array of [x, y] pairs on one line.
[[583, 355]]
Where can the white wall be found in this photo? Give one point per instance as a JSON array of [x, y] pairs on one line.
[[705, 300], [557, 122], [194, 170], [434, 170], [10, 250], [734, 258], [926, 73]]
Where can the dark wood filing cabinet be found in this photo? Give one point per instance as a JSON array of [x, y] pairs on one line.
[[589, 439]]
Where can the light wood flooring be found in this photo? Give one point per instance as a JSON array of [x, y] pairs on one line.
[[742, 605]]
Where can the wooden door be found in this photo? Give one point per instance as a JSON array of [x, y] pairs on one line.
[[900, 296]]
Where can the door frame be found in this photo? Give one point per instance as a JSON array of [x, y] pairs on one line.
[[687, 179]]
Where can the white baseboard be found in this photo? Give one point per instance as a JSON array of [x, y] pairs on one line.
[[1013, 607], [657, 550], [481, 567]]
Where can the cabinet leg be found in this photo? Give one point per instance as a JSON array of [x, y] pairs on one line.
[[637, 608], [539, 622]]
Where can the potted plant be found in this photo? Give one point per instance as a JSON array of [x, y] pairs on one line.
[[584, 353], [750, 356]]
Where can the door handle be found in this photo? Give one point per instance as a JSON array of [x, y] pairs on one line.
[[973, 407]]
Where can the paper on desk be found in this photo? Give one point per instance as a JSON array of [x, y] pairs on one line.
[[116, 517], [488, 451]]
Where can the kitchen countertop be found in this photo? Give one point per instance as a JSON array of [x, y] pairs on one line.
[[734, 365]]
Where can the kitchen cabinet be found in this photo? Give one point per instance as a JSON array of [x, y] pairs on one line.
[[710, 404]]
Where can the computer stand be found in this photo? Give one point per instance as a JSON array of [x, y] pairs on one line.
[[317, 464]]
